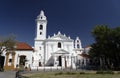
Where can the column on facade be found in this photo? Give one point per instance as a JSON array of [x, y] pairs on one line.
[[13, 58], [73, 65], [55, 61], [84, 61], [71, 61], [47, 52], [63, 61], [67, 61], [7, 57]]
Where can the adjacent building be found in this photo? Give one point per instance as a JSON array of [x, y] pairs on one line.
[[21, 56]]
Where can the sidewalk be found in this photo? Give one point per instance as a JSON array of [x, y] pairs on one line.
[[7, 74]]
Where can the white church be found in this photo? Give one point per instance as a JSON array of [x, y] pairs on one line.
[[53, 51], [57, 50]]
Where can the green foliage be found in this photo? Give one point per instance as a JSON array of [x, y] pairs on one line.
[[104, 72], [7, 43], [118, 72], [65, 73], [106, 49], [70, 73], [109, 72], [1, 70], [99, 72], [25, 77], [82, 72], [60, 73], [88, 74]]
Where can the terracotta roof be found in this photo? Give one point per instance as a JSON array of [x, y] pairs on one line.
[[23, 46], [88, 46], [84, 55]]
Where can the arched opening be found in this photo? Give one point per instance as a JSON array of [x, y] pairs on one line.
[[2, 59], [22, 60], [78, 46], [40, 33], [60, 61], [41, 27], [41, 17], [59, 45]]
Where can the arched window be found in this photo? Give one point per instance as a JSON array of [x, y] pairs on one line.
[[40, 33], [41, 27], [77, 41], [78, 46], [41, 17], [59, 45]]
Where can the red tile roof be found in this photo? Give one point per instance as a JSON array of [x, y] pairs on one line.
[[88, 46], [84, 55], [23, 46]]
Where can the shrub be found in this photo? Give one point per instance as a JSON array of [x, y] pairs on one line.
[[82, 72], [1, 70], [99, 72], [60, 73], [24, 77], [70, 73], [118, 72], [109, 72], [104, 72]]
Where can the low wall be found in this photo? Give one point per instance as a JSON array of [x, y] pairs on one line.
[[46, 68]]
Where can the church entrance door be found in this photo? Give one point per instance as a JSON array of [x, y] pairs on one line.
[[65, 63], [22, 60], [60, 61]]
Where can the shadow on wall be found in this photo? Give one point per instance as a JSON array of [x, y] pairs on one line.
[[2, 59], [50, 62]]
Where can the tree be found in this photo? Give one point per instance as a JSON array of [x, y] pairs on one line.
[[6, 43], [106, 48]]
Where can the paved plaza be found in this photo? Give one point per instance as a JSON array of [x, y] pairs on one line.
[[7, 74]]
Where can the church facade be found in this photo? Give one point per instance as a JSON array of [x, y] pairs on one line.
[[57, 50]]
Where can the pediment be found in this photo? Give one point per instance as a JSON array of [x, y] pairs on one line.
[[61, 51], [59, 36]]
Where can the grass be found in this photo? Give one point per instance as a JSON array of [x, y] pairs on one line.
[[70, 75]]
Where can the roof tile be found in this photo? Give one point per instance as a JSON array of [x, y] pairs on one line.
[[23, 46]]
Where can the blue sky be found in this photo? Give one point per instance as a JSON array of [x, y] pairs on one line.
[[72, 17]]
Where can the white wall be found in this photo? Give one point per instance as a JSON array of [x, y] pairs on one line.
[[28, 55]]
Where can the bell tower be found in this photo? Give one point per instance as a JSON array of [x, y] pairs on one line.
[[41, 29], [41, 23], [78, 43]]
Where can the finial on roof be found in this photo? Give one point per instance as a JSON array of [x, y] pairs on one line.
[[41, 16], [77, 37], [69, 37], [54, 34], [59, 33], [49, 36], [64, 35], [42, 12]]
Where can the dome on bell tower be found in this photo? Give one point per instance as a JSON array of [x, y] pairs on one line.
[[41, 16]]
